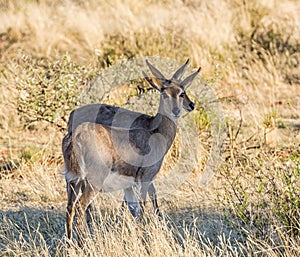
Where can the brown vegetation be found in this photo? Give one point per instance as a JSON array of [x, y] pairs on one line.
[[250, 54]]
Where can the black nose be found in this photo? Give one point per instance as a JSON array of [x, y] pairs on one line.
[[192, 105]]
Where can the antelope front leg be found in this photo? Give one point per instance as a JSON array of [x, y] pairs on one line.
[[153, 197], [143, 196], [121, 212], [133, 203]]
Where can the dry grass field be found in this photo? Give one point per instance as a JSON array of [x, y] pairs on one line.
[[249, 52]]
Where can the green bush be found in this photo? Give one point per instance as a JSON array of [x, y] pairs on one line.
[[262, 200], [49, 90]]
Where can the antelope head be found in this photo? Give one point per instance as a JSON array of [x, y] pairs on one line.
[[173, 91]]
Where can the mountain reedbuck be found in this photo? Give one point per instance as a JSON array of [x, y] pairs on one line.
[[103, 153], [106, 115]]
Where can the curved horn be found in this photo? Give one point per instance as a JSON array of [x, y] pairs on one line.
[[156, 73], [178, 74]]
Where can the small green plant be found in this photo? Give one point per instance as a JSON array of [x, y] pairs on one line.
[[201, 119], [287, 196], [30, 153], [270, 198], [270, 119]]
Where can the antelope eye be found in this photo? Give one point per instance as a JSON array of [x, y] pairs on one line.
[[182, 94], [164, 94]]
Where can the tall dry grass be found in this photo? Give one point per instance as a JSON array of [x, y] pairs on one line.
[[249, 52]]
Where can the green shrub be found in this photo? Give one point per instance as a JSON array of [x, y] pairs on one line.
[[49, 90], [268, 199]]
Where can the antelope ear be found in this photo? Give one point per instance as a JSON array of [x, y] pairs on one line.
[[188, 80], [155, 83]]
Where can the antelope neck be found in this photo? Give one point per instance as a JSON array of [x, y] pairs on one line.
[[165, 126]]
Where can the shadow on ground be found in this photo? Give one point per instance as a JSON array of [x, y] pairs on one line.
[[207, 226], [45, 228], [30, 228]]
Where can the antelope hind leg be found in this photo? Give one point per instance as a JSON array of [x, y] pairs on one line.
[[80, 208], [72, 191]]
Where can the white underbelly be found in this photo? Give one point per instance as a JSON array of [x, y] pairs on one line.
[[114, 181]]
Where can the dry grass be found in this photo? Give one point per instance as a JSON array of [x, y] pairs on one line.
[[249, 52]]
